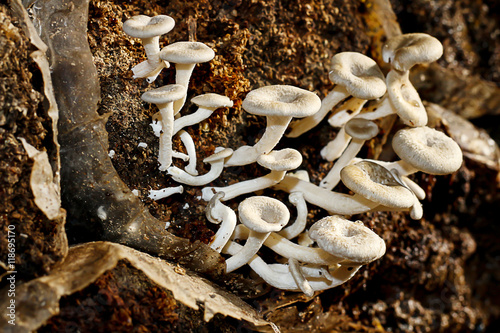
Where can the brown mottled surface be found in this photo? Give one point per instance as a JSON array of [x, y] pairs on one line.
[[22, 116]]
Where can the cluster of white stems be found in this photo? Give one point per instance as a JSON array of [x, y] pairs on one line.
[[334, 248]]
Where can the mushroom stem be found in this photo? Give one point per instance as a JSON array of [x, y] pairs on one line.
[[293, 230], [346, 112], [183, 177], [333, 177], [188, 142], [247, 186], [167, 128], [276, 127], [182, 76], [216, 213], [285, 281], [333, 202], [165, 192], [299, 127], [336, 147], [299, 278], [193, 118], [251, 247]]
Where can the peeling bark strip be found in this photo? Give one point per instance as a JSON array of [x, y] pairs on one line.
[[93, 193]]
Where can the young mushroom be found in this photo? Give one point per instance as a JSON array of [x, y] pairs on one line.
[[216, 162], [164, 98], [149, 30], [377, 184], [354, 75], [185, 56], [261, 215], [217, 212], [278, 161], [279, 103], [207, 104], [360, 130], [405, 51]]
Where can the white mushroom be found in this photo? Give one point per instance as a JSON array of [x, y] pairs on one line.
[[185, 56], [165, 192], [279, 103], [278, 161], [284, 280], [352, 241], [360, 130], [261, 215], [216, 162], [217, 212], [207, 104], [405, 51], [187, 141], [377, 184], [299, 278], [354, 74], [149, 30], [164, 98]]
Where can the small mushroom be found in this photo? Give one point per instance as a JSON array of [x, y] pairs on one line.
[[165, 192], [164, 98], [360, 130], [261, 215], [217, 212], [377, 184], [405, 51], [185, 56], [354, 74], [278, 161], [352, 241], [207, 104], [426, 149], [216, 162], [279, 103], [149, 30]]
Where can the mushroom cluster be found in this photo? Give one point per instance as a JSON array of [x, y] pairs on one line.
[[332, 249]]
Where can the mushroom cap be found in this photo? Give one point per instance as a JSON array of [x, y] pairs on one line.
[[377, 184], [187, 53], [219, 154], [281, 160], [359, 74], [143, 26], [212, 100], [428, 150], [405, 99], [281, 100], [407, 50], [361, 129], [165, 94], [349, 240], [263, 214]]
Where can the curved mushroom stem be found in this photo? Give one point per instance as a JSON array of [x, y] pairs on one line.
[[151, 67], [167, 127], [336, 147], [247, 186], [293, 230], [288, 249], [346, 112], [188, 142], [333, 202], [193, 118], [285, 281], [299, 278], [414, 187], [333, 177], [276, 126], [216, 213], [299, 127], [183, 177], [251, 247], [182, 76]]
